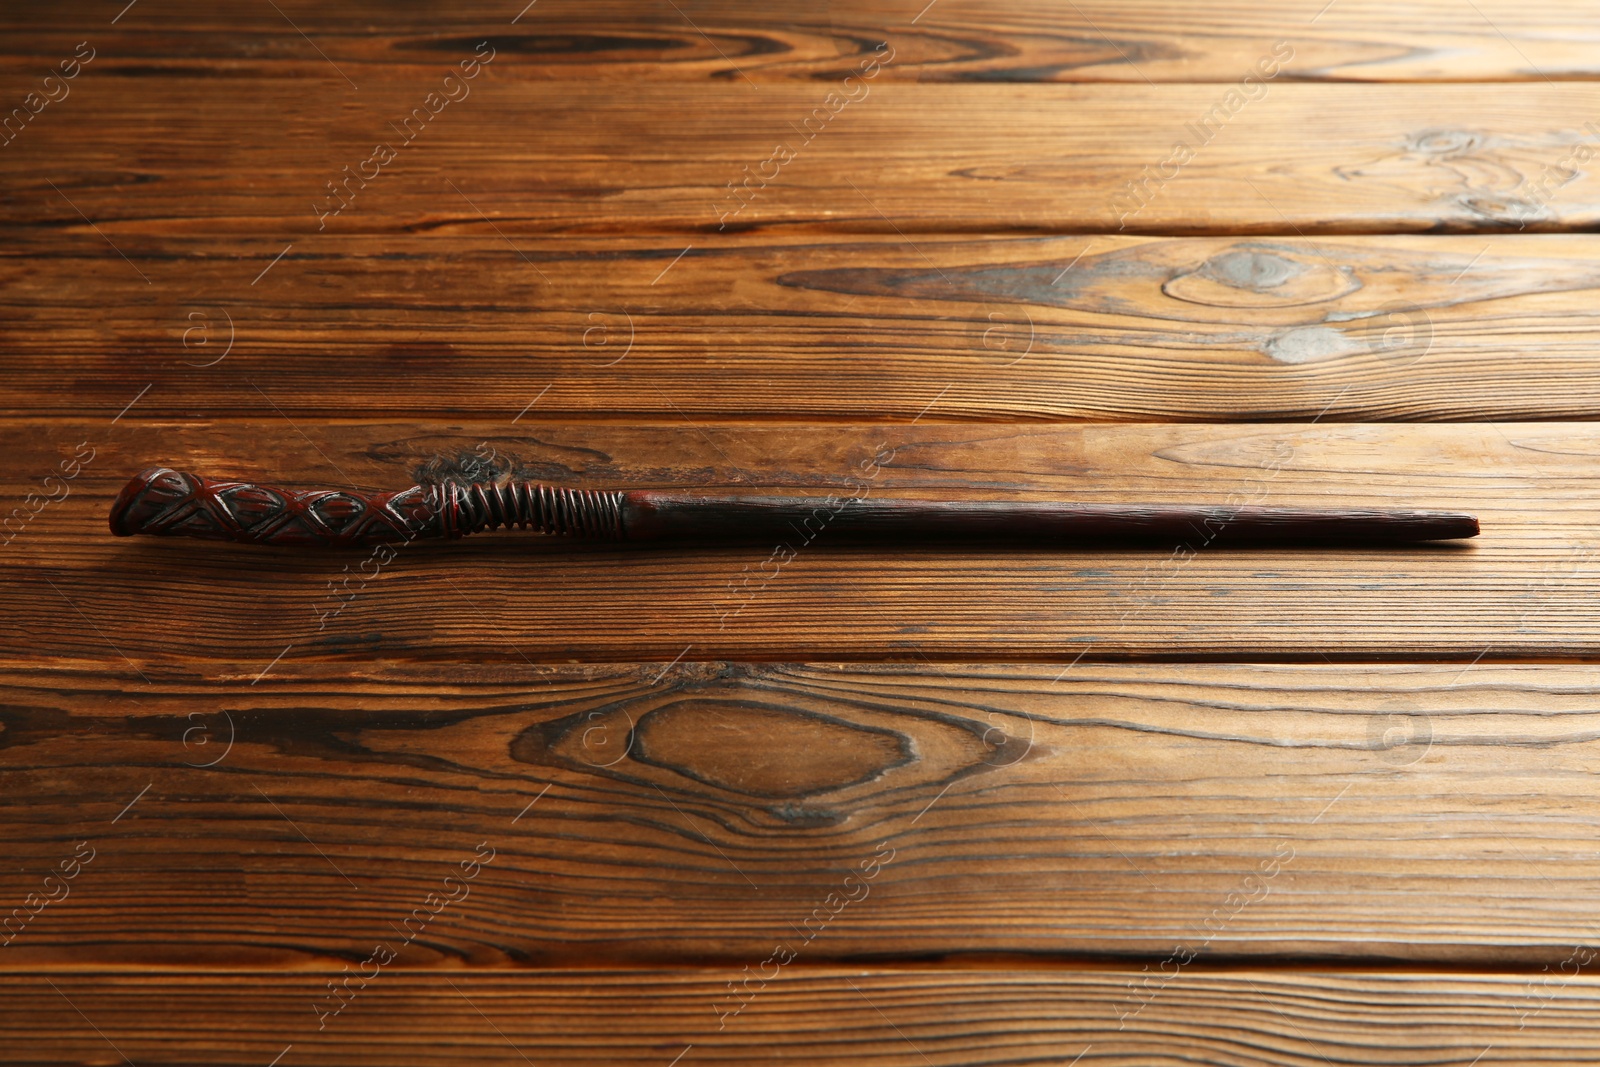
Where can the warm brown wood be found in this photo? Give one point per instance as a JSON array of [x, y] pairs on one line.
[[1521, 589], [730, 40], [588, 156], [831, 1016], [243, 814], [656, 248], [1465, 328]]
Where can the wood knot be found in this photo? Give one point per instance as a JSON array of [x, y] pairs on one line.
[[1446, 143], [764, 750], [768, 744], [1256, 276]]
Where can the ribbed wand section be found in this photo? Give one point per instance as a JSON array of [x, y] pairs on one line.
[[470, 509]]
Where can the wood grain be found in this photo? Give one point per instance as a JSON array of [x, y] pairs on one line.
[[128, 155], [1520, 589], [903, 1018], [1015, 328], [1096, 328], [953, 40], [241, 815]]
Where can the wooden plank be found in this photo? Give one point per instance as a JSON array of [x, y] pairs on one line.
[[905, 1018], [1521, 589], [240, 814], [953, 40], [139, 154], [1103, 328]]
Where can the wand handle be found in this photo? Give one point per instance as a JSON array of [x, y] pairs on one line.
[[171, 503], [166, 502]]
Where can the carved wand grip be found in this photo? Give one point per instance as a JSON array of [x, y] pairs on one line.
[[171, 503], [168, 502]]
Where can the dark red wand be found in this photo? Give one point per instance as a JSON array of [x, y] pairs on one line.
[[168, 502]]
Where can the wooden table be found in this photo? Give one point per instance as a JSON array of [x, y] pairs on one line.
[[520, 801]]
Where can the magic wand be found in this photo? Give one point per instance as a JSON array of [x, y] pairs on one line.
[[168, 502]]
